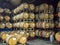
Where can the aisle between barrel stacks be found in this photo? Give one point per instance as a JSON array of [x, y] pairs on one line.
[[52, 37]]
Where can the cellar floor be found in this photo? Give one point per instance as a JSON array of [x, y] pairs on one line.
[[37, 42]]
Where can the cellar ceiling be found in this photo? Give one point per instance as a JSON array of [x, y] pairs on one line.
[[8, 4]]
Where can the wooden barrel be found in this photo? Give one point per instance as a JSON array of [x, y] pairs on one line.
[[58, 7], [22, 32], [43, 6], [58, 4], [11, 40], [6, 10], [17, 35], [57, 36], [26, 34], [1, 17], [41, 16], [46, 16], [40, 24], [2, 25], [46, 25], [51, 16], [43, 33], [51, 9], [14, 18], [32, 34], [32, 24], [25, 15], [17, 17], [21, 25], [7, 18], [31, 7], [14, 24], [21, 7], [13, 33], [4, 35], [40, 33], [51, 25], [8, 25], [37, 32], [26, 25], [23, 40], [37, 24], [47, 34], [58, 25], [17, 25], [1, 10], [31, 15], [25, 5], [58, 14]]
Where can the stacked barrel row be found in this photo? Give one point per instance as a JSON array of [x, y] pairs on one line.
[[30, 21], [19, 20], [26, 17], [21, 36], [44, 25], [57, 35], [45, 16], [5, 18], [23, 17], [46, 20], [25, 20], [24, 7], [58, 15], [14, 37], [44, 33]]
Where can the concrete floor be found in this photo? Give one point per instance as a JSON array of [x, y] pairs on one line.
[[37, 42], [41, 42]]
